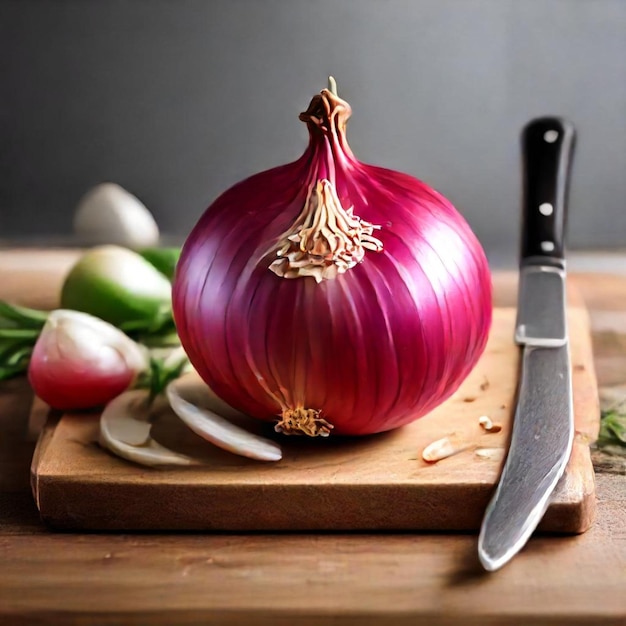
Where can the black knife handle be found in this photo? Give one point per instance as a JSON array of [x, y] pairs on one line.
[[547, 153]]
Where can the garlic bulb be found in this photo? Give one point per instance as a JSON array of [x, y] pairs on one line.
[[110, 214]]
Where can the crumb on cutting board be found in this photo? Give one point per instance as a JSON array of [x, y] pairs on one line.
[[444, 448], [488, 424]]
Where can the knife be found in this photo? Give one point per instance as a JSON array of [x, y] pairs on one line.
[[543, 425]]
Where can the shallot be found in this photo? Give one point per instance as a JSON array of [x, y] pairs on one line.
[[80, 361]]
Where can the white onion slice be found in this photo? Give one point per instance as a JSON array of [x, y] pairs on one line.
[[204, 413], [125, 431]]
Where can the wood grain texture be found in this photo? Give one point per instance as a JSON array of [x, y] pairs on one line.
[[305, 579], [373, 483], [183, 579]]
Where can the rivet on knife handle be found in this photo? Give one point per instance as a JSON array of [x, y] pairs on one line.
[[547, 148]]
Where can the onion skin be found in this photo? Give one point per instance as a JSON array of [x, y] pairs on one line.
[[372, 349]]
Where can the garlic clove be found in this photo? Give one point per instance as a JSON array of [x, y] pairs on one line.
[[490, 454], [125, 431], [205, 414], [110, 214]]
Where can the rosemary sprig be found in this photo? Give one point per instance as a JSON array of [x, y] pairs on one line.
[[162, 371], [19, 329], [612, 431]]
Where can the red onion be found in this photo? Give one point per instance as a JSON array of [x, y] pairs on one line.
[[328, 294]]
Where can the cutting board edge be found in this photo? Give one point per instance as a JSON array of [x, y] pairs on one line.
[[57, 497]]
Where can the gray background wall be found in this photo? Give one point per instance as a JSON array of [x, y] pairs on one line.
[[177, 100]]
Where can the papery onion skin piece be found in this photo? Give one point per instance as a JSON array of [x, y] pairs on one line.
[[368, 350]]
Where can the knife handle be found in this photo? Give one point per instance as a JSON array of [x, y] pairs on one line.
[[547, 152]]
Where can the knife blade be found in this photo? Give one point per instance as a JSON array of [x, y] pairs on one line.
[[543, 425]]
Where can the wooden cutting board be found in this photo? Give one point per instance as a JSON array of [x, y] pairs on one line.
[[373, 483]]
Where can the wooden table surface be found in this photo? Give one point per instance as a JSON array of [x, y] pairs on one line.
[[301, 579]]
